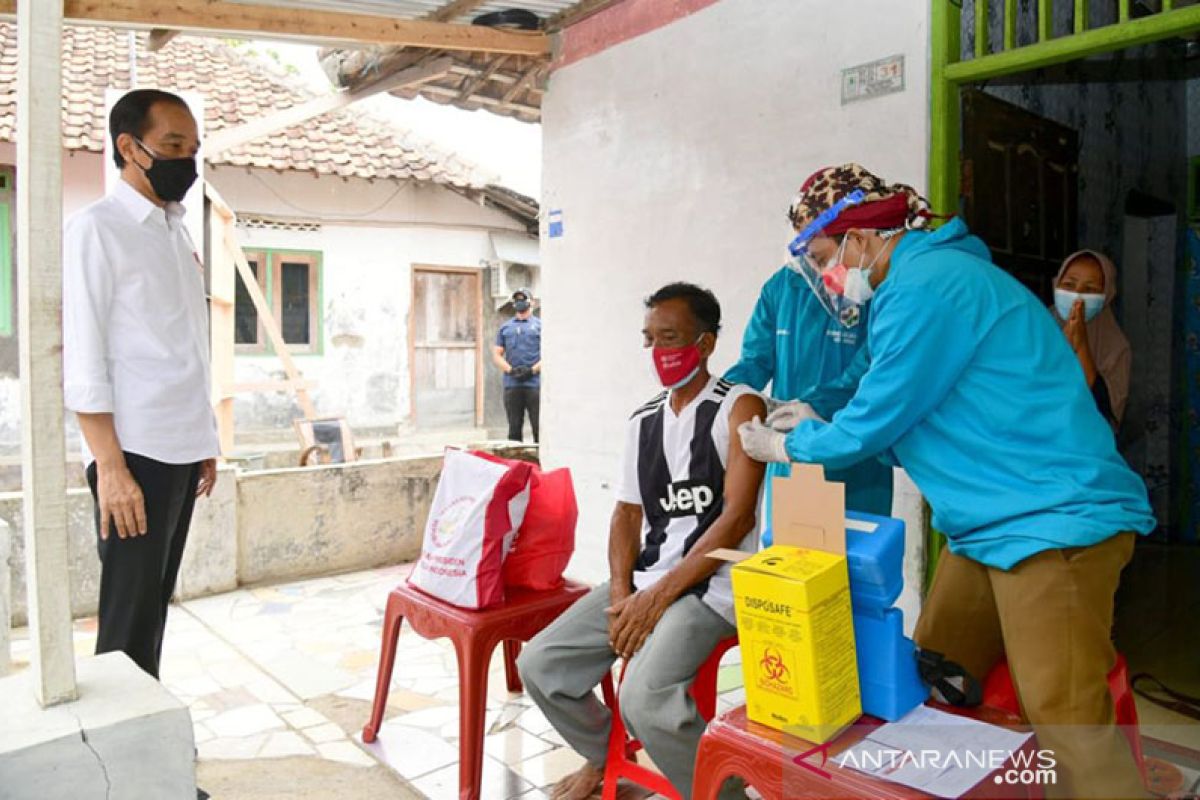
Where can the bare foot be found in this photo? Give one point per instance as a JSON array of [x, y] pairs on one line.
[[579, 785]]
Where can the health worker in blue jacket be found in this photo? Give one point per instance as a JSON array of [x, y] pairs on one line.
[[972, 388], [813, 363]]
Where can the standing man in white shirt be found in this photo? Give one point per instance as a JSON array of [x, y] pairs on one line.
[[136, 371]]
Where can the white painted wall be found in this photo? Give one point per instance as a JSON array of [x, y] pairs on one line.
[[83, 176], [373, 236], [674, 156]]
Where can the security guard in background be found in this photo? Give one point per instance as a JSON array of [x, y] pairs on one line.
[[518, 354]]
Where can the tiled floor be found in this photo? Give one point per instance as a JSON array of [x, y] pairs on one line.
[[258, 666], [289, 672]]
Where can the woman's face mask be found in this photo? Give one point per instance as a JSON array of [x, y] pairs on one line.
[[1065, 300], [852, 283]]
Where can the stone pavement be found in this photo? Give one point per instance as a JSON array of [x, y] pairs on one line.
[[280, 679]]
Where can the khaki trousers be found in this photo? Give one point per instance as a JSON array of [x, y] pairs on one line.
[[1051, 615]]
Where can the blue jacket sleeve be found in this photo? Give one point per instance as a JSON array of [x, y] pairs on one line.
[[919, 348], [832, 396], [756, 365]]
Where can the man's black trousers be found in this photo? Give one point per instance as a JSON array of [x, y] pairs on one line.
[[518, 400], [137, 576]]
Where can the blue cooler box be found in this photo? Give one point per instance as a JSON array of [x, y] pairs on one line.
[[875, 553], [887, 662], [887, 665]]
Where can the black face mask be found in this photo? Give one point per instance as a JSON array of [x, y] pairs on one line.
[[521, 306], [170, 178]]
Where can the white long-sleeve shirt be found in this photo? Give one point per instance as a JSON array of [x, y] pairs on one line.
[[135, 327]]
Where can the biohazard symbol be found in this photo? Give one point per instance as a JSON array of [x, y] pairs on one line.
[[772, 665]]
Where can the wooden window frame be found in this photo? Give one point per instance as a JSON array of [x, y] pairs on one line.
[[313, 259], [259, 347], [270, 260]]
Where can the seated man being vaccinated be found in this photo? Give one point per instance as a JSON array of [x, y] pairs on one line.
[[685, 489]]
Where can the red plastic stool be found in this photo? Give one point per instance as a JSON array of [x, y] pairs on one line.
[[998, 692], [475, 635], [620, 762]]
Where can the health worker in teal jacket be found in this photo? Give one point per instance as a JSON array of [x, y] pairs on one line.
[[972, 388], [794, 345]]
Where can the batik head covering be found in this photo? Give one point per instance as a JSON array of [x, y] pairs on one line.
[[884, 206]]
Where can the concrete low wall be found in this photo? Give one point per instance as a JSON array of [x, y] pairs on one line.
[[267, 526], [308, 521], [209, 563]]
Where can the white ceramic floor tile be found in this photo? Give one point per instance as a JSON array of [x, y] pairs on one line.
[[304, 718], [238, 748], [553, 737], [196, 687], [534, 721], [269, 691], [549, 768], [411, 752], [514, 745], [430, 718], [244, 721], [284, 744], [346, 753], [321, 734], [365, 690], [506, 717], [498, 783]]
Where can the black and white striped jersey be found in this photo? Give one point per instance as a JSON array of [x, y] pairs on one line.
[[674, 468]]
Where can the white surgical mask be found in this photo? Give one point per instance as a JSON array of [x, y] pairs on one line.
[[858, 280], [1065, 300]]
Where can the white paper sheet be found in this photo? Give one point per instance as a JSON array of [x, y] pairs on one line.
[[935, 752]]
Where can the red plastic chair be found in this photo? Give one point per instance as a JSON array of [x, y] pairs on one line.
[[475, 635], [999, 692], [622, 748]]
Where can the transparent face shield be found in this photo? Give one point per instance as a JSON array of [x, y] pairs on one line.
[[826, 280]]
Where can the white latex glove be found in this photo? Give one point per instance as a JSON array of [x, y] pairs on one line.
[[763, 444], [787, 416]]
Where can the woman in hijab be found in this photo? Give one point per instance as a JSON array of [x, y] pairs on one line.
[[1083, 294]]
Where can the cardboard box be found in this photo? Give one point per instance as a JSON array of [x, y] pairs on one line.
[[794, 620]]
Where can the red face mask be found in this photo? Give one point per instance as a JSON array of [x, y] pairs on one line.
[[676, 365]]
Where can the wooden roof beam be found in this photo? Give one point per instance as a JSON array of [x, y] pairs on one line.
[[481, 77], [524, 82], [224, 18], [158, 39]]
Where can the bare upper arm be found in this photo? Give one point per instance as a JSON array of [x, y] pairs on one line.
[[743, 474]]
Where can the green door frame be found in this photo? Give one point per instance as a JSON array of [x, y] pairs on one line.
[[949, 73]]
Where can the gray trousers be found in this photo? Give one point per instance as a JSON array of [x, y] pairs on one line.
[[562, 666]]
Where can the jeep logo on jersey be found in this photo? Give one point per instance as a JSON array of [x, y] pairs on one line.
[[687, 498]]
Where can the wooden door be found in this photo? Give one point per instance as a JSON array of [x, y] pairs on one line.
[[445, 348], [1020, 186]]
